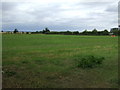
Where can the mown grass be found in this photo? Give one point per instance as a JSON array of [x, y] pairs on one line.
[[50, 61]]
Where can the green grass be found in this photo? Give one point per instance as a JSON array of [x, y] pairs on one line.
[[50, 61]]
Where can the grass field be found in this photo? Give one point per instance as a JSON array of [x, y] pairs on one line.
[[50, 61]]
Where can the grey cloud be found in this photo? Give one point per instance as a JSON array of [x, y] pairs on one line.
[[94, 4], [112, 8], [6, 6], [40, 16]]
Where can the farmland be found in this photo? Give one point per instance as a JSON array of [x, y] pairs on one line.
[[50, 61]]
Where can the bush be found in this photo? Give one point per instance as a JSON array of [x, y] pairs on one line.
[[90, 61]]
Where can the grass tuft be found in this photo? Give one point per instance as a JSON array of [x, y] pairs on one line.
[[10, 73], [90, 61]]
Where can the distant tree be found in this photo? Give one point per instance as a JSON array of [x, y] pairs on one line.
[[115, 31], [105, 32], [47, 30], [22, 32], [68, 32], [95, 32], [27, 32], [100, 32], [43, 31], [75, 32], [2, 31], [85, 32], [15, 31]]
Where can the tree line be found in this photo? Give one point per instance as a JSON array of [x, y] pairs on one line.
[[113, 31]]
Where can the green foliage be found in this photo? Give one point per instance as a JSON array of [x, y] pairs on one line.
[[115, 31], [85, 32], [76, 32], [90, 61], [105, 32], [46, 30], [95, 32]]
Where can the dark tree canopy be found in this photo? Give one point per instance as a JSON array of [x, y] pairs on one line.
[[94, 32], [105, 32], [47, 30], [75, 32], [115, 31], [85, 32], [15, 31]]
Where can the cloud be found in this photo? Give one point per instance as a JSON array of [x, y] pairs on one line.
[[8, 6], [59, 15]]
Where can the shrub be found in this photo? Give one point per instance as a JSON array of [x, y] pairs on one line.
[[90, 61]]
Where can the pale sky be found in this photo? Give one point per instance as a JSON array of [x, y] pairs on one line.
[[59, 15]]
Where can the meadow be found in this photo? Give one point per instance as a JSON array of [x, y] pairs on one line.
[[50, 61]]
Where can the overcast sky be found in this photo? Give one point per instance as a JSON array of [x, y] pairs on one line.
[[59, 15]]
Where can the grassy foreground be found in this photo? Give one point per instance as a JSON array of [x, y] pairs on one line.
[[50, 61]]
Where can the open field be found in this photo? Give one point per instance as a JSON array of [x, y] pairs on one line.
[[50, 61]]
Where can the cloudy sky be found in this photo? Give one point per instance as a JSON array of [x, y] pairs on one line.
[[59, 15]]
